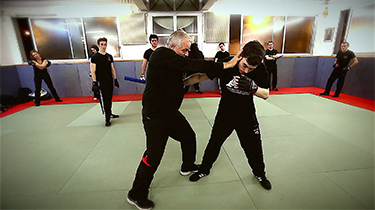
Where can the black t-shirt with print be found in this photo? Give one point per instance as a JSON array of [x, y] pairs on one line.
[[239, 103]]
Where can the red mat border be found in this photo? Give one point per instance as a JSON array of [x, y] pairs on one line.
[[344, 98]]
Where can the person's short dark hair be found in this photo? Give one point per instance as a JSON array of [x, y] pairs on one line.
[[153, 36], [254, 52], [345, 42], [95, 47], [270, 42], [101, 39], [221, 43]]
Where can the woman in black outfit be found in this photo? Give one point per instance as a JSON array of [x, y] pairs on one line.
[[40, 73]]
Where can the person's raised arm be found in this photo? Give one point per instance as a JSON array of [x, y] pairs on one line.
[[233, 62]]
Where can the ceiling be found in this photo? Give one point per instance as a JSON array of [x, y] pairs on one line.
[[173, 5], [143, 5]]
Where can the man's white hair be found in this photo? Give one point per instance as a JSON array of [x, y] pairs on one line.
[[175, 39]]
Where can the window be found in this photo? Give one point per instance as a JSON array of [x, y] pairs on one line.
[[102, 27], [71, 38], [290, 34], [59, 38], [361, 30], [163, 26], [24, 34]]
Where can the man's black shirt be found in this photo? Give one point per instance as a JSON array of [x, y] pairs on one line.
[[164, 90]]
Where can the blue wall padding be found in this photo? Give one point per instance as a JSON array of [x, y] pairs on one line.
[[285, 69], [304, 71], [72, 79], [10, 82]]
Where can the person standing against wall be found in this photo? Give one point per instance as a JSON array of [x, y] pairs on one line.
[[154, 40], [103, 75], [40, 73], [94, 49], [221, 53], [271, 58], [340, 69], [195, 53]]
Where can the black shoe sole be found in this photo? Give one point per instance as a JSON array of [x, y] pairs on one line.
[[135, 204]]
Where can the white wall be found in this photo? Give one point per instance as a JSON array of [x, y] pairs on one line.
[[133, 52]]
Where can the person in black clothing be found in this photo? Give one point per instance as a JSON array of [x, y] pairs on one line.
[[103, 74], [94, 49], [40, 73], [341, 67], [195, 53], [161, 117], [237, 112], [154, 40], [271, 57], [221, 53]]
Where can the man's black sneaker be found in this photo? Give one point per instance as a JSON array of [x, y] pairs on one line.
[[264, 182], [108, 123], [114, 116], [145, 204], [196, 176], [186, 171], [335, 96], [324, 94]]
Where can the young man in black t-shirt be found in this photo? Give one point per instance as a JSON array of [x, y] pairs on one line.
[[341, 67], [103, 75], [270, 61], [221, 53], [154, 40], [237, 112]]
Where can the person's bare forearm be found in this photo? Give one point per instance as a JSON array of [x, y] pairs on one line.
[[195, 78], [262, 93]]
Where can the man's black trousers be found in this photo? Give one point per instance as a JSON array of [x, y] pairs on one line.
[[157, 133]]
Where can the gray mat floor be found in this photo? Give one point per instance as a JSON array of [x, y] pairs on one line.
[[319, 154]]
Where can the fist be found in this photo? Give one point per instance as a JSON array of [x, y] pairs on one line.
[[95, 87]]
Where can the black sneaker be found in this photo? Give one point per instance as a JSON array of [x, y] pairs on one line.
[[324, 94], [188, 171], [108, 123], [141, 204], [114, 116], [197, 176], [335, 96], [264, 182]]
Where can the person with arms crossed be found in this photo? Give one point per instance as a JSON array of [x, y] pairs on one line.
[[221, 53], [161, 117], [103, 75], [340, 69], [195, 53], [40, 73], [237, 112], [271, 58], [154, 40]]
